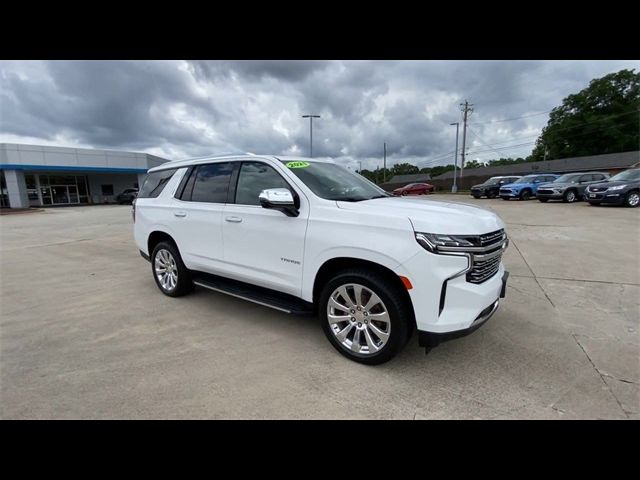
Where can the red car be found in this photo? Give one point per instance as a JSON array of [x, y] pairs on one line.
[[415, 189]]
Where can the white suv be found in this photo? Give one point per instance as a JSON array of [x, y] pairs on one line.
[[307, 235]]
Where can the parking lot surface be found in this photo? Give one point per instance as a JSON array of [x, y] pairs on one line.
[[85, 333]]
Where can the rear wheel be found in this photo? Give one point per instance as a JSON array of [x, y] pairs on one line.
[[632, 199], [364, 316], [569, 196], [525, 195], [172, 277]]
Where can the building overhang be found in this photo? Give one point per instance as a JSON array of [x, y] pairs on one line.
[[66, 168]]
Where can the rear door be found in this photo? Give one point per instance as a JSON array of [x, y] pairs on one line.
[[198, 208], [263, 246]]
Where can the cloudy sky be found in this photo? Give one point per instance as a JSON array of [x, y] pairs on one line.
[[179, 109]]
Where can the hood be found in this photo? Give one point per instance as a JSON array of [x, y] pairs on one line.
[[614, 183], [484, 185], [431, 216], [514, 185], [556, 185]]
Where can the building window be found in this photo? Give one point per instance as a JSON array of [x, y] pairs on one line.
[[106, 190]]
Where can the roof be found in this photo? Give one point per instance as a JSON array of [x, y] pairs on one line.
[[234, 156], [563, 165], [411, 178]]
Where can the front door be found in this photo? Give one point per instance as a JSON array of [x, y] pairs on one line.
[[263, 246]]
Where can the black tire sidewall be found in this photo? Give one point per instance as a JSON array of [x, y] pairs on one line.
[[565, 197], [525, 195], [399, 313], [185, 282]]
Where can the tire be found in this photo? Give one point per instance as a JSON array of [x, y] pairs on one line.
[[491, 195], [404, 193], [166, 253], [505, 198], [399, 318], [477, 196], [594, 204], [544, 200], [632, 199], [525, 195], [570, 196]]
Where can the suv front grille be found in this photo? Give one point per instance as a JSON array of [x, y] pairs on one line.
[[491, 238], [483, 270], [545, 191]]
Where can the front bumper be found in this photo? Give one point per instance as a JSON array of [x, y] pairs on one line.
[[605, 197], [549, 196], [432, 339], [509, 194]]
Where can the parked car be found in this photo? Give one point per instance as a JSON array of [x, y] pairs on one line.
[[621, 189], [326, 240], [128, 196], [491, 187], [526, 187], [415, 189], [569, 187]]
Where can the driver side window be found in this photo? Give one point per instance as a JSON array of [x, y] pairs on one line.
[[255, 177]]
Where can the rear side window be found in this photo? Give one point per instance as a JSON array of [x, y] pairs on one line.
[[254, 178], [209, 183], [598, 176], [155, 183]]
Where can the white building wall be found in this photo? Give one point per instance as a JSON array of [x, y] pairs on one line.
[[16, 189]]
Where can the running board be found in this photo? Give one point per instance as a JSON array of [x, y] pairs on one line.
[[252, 293]]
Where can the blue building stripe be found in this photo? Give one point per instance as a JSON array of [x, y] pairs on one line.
[[61, 168]]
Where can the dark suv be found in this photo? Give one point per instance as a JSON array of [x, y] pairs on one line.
[[491, 187], [128, 196], [621, 189], [569, 187]]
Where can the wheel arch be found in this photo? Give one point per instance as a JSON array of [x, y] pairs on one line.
[[156, 237], [333, 266]]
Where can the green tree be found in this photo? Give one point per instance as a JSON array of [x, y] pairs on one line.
[[404, 169], [602, 118]]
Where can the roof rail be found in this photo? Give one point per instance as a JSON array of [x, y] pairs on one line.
[[226, 154]]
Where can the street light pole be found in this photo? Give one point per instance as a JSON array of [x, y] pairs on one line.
[[310, 117], [454, 188]]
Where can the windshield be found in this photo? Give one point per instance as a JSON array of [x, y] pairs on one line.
[[568, 178], [626, 175], [493, 180], [527, 179], [334, 182]]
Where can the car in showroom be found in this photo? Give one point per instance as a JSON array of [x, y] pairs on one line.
[[526, 187], [415, 189], [308, 236], [621, 189], [569, 187], [127, 196], [491, 187]]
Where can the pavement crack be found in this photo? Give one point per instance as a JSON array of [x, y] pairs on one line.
[[601, 375], [532, 273]]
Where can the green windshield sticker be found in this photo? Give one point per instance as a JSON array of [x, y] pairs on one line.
[[297, 164]]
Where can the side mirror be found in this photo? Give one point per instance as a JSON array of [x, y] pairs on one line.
[[279, 199]]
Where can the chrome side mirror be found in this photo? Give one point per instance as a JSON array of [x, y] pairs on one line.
[[279, 199]]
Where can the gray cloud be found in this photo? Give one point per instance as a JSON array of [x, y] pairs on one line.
[[179, 109]]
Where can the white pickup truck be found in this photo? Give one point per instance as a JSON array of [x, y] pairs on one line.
[[310, 236]]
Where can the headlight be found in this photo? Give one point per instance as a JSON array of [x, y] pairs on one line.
[[618, 187], [431, 241]]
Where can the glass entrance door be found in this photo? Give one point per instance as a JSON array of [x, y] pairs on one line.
[[64, 194]]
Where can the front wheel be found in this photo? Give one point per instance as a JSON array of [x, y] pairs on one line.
[[525, 195], [632, 199], [477, 196], [172, 277], [569, 196], [365, 316]]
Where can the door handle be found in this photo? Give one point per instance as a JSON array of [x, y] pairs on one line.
[[233, 219], [180, 214]]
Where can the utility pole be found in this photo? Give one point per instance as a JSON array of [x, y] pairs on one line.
[[310, 117], [384, 165], [454, 188], [466, 110]]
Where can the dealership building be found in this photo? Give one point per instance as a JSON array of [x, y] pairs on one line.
[[38, 176]]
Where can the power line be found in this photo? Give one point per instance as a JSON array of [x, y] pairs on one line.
[[511, 119]]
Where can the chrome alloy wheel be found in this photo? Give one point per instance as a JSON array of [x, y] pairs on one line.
[[571, 196], [634, 199], [166, 270], [358, 318]]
